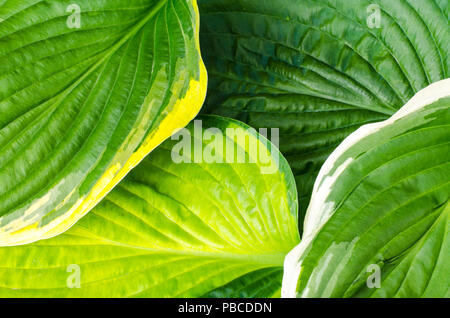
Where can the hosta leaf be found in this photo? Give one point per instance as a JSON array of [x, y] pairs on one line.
[[173, 229], [87, 89], [319, 69], [380, 206], [263, 283]]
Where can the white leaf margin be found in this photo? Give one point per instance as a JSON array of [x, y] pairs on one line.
[[320, 210]]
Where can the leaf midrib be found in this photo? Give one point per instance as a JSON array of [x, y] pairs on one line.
[[108, 53], [265, 260]]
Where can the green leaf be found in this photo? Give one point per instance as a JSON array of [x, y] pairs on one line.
[[380, 206], [316, 69], [173, 229], [87, 89], [263, 283]]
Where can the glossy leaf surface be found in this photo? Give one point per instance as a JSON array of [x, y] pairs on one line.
[[378, 222], [172, 229], [318, 70], [87, 89]]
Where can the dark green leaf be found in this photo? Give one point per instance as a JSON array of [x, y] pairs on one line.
[[317, 70]]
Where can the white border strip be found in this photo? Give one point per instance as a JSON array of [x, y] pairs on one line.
[[319, 211]]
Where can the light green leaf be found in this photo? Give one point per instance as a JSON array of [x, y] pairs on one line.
[[87, 89], [380, 206], [319, 69], [173, 229]]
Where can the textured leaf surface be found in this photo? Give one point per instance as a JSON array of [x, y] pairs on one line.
[[263, 283], [79, 107], [382, 198], [171, 230], [316, 70]]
